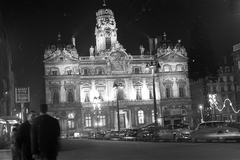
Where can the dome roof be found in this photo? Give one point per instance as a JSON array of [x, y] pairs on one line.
[[104, 12]]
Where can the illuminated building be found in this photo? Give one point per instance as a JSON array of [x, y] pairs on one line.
[[222, 94], [72, 82]]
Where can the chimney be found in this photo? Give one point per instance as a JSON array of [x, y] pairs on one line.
[[73, 41]]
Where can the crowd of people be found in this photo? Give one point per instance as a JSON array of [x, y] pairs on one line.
[[37, 138]]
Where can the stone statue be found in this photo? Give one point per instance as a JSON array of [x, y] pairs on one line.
[[142, 49], [91, 50]]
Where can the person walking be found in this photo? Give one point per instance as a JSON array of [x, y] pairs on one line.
[[45, 133], [14, 146], [23, 137]]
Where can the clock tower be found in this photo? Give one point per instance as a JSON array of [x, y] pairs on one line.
[[105, 30]]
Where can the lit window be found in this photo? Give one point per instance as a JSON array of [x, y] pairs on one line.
[[71, 124], [140, 117], [179, 67], [166, 68], [153, 118], [102, 120], [88, 120]]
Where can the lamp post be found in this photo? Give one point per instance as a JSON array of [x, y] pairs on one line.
[[96, 101], [117, 86], [201, 112], [153, 66]]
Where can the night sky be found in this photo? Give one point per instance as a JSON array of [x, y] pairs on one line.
[[32, 24]]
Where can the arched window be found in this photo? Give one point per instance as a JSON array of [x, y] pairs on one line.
[[140, 117], [179, 67], [88, 120], [167, 68]]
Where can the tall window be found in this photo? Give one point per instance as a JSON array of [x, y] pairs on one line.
[[55, 96], [153, 118], [70, 97], [140, 117], [138, 93], [108, 42], [71, 123], [101, 92], [102, 120], [88, 120], [168, 91], [86, 95], [85, 72], [150, 93], [181, 91]]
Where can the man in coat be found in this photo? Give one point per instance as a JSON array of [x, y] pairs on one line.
[[45, 133], [23, 137]]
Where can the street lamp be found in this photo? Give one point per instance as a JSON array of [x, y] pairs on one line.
[[117, 86], [201, 112], [153, 66], [96, 103]]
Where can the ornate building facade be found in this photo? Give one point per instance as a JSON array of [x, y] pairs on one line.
[[73, 83], [222, 94]]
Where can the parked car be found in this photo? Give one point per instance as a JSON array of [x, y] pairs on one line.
[[175, 132], [110, 134], [131, 134], [148, 133], [215, 130]]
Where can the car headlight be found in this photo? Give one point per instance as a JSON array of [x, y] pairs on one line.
[[226, 131]]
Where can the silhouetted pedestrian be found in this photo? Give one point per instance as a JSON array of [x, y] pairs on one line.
[[45, 133], [23, 137], [14, 146]]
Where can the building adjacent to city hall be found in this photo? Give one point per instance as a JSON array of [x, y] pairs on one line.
[[81, 91]]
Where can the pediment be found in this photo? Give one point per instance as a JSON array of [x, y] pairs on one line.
[[61, 58]]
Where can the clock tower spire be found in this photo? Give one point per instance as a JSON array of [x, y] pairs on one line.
[[105, 30]]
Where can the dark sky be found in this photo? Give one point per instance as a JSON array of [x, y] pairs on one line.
[[32, 24]]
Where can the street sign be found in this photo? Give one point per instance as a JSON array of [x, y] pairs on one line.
[[22, 94]]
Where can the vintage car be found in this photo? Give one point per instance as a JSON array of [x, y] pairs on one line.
[[149, 133], [175, 132], [215, 130], [131, 134]]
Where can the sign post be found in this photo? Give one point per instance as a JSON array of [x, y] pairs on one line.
[[22, 95]]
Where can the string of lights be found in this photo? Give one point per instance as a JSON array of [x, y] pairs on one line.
[[214, 104]]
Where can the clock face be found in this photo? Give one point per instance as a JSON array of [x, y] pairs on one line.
[[107, 20]]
